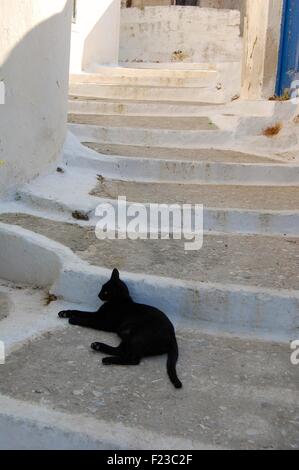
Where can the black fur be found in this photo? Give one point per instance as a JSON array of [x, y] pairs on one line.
[[144, 330]]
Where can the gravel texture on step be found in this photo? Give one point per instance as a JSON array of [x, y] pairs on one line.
[[236, 394], [218, 196], [145, 122], [207, 155]]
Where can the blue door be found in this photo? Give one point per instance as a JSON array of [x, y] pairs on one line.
[[288, 67]]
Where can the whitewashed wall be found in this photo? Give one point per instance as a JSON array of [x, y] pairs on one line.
[[95, 35], [202, 34], [34, 63]]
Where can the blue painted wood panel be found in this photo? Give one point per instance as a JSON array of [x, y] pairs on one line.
[[288, 67]]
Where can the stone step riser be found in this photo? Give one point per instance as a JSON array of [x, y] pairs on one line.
[[169, 79], [33, 426], [204, 94], [124, 108], [148, 123], [231, 221], [230, 308], [133, 169], [150, 137], [281, 110], [145, 70]]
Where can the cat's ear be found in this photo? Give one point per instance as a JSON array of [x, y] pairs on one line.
[[115, 275]]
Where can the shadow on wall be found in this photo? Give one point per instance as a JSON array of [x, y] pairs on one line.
[[35, 74], [102, 42]]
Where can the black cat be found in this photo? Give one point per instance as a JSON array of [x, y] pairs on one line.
[[144, 330]]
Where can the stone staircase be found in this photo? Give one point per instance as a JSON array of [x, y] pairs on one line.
[[153, 85], [166, 136], [176, 152]]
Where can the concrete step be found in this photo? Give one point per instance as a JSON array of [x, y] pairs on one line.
[[181, 170], [150, 136], [259, 198], [172, 66], [226, 259], [204, 94], [179, 153], [147, 77], [237, 394], [234, 283], [92, 105], [250, 109], [28, 426], [199, 123], [227, 209], [217, 132]]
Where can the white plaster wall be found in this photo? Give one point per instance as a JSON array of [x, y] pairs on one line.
[[95, 35], [202, 34], [230, 4], [34, 63], [225, 4]]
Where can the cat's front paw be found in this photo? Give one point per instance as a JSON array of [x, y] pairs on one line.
[[64, 314], [96, 347]]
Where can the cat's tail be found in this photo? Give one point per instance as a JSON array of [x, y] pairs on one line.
[[173, 355]]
